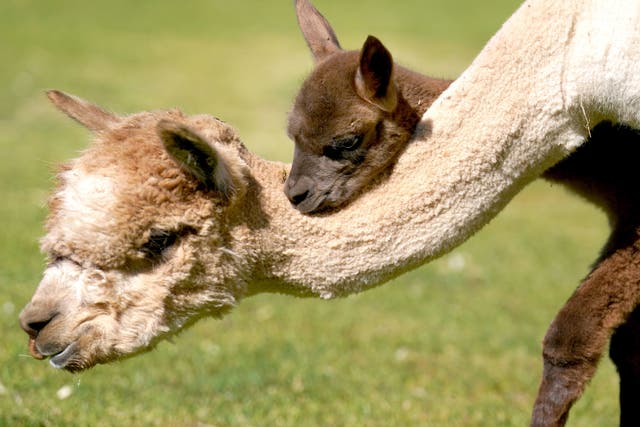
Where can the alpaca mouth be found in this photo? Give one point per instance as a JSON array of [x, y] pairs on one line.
[[61, 359], [33, 350], [313, 203], [325, 203], [58, 360]]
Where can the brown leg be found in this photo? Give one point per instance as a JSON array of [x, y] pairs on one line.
[[625, 353], [579, 334]]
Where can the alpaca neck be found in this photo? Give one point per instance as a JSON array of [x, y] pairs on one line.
[[516, 111], [419, 91]]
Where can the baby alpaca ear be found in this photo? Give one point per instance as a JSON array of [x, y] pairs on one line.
[[195, 156], [374, 77], [317, 31]]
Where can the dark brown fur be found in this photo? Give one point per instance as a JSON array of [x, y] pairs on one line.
[[603, 170], [605, 305]]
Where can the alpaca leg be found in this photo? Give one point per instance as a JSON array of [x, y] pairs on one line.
[[570, 357], [579, 334], [625, 353]]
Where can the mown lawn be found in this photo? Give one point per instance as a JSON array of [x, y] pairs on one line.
[[455, 343]]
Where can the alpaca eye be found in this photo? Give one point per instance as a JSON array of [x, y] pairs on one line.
[[340, 148], [348, 143], [159, 240]]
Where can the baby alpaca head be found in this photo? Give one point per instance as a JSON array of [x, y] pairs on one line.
[[136, 242], [349, 121]]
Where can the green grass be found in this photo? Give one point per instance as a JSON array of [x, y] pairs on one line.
[[455, 343]]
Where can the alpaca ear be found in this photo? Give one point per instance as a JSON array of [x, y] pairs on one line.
[[87, 114], [374, 77], [316, 30], [198, 158]]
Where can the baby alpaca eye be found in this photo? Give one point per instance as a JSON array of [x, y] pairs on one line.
[[348, 143], [159, 240], [341, 147]]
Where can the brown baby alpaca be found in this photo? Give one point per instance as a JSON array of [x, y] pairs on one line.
[[355, 114], [352, 117]]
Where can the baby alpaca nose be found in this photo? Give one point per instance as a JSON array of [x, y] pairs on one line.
[[296, 199], [298, 191]]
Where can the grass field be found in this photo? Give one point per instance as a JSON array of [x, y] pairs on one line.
[[455, 343]]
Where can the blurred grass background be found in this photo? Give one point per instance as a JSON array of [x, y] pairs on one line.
[[455, 343]]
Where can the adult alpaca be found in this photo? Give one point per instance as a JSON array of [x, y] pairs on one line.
[[225, 231]]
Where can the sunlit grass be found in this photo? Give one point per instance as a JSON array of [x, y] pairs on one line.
[[455, 343]]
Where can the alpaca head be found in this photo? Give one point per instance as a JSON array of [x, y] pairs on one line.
[[136, 243], [349, 120]]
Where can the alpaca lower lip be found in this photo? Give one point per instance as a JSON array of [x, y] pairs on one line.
[[312, 204], [60, 360]]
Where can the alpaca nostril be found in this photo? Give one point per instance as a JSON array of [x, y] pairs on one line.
[[299, 190], [37, 326], [296, 199], [33, 327]]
